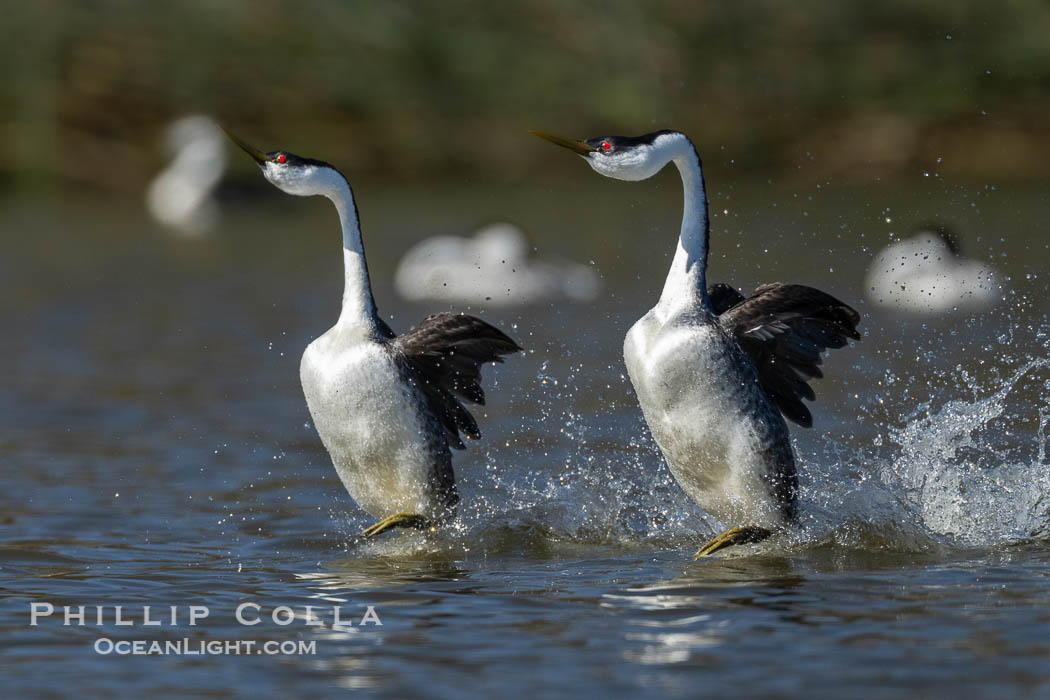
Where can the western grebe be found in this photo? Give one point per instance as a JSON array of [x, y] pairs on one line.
[[180, 197], [928, 274], [387, 407], [493, 267], [714, 370]]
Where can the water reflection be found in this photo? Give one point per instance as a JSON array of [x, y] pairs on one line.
[[354, 574]]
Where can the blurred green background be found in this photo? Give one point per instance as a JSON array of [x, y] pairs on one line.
[[413, 91]]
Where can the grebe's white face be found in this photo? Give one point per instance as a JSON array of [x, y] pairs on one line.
[[638, 162], [301, 179], [294, 174], [627, 157]]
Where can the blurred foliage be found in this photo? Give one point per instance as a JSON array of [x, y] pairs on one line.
[[415, 90]]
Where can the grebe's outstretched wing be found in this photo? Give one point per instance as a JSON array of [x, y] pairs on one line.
[[784, 328], [444, 354]]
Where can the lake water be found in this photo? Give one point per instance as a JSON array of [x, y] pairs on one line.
[[157, 452]]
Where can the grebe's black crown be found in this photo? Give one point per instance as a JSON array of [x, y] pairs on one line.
[[298, 161], [625, 143]]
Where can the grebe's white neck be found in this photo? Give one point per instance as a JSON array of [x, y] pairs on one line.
[[686, 284], [306, 178], [639, 158], [359, 306]]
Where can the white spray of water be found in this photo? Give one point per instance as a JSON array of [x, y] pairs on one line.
[[958, 470], [968, 472]]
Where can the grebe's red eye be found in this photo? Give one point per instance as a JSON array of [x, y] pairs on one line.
[[606, 145], [281, 158]]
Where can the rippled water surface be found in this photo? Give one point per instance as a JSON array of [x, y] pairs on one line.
[[157, 452]]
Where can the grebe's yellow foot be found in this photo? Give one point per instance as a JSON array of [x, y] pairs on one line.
[[410, 520], [734, 536]]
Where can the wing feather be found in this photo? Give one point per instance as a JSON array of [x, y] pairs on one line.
[[445, 354], [785, 329]]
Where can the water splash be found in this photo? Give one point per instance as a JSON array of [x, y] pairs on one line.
[[961, 468], [964, 467], [964, 472]]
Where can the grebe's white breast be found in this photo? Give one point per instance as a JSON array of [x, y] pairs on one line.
[[369, 419], [721, 437]]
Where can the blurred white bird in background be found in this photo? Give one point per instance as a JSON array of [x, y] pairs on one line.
[[180, 196], [928, 274], [493, 268]]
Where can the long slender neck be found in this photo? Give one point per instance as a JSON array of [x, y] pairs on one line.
[[359, 307], [686, 284]]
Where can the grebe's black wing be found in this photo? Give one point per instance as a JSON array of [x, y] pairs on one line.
[[784, 328], [444, 354], [723, 297]]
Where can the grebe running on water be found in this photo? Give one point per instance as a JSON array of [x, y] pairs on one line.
[[388, 407], [716, 373]]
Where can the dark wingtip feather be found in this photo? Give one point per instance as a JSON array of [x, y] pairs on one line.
[[797, 413], [785, 329], [446, 351]]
